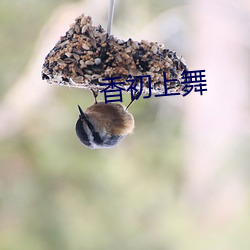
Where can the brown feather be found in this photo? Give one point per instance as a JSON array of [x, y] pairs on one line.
[[112, 117]]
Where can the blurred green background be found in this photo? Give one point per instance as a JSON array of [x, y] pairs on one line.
[[181, 181]]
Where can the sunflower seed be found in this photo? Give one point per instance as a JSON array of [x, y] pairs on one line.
[[85, 46], [88, 62]]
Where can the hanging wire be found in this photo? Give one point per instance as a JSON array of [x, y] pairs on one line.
[[110, 15]]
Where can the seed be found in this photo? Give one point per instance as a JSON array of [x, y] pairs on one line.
[[88, 77], [126, 56], [64, 43], [85, 46], [77, 29], [119, 59], [78, 51], [150, 73], [120, 42], [78, 70], [68, 54], [154, 49], [77, 79], [77, 57], [145, 42], [128, 50], [95, 76], [134, 72], [88, 62], [100, 80], [83, 21], [69, 60], [134, 45], [84, 28], [61, 62], [70, 32], [98, 61], [103, 37]]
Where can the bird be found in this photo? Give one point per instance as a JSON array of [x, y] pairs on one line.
[[104, 125]]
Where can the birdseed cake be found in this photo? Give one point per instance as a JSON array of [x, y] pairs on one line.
[[86, 55]]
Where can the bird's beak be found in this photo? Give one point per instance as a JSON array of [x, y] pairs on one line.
[[82, 115]]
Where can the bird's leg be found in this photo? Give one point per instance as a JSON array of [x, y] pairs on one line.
[[95, 94], [134, 97]]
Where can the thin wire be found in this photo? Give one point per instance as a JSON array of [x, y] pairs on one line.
[[110, 15]]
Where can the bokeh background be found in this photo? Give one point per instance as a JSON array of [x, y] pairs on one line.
[[180, 182]]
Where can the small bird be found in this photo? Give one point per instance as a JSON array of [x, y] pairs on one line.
[[104, 125]]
